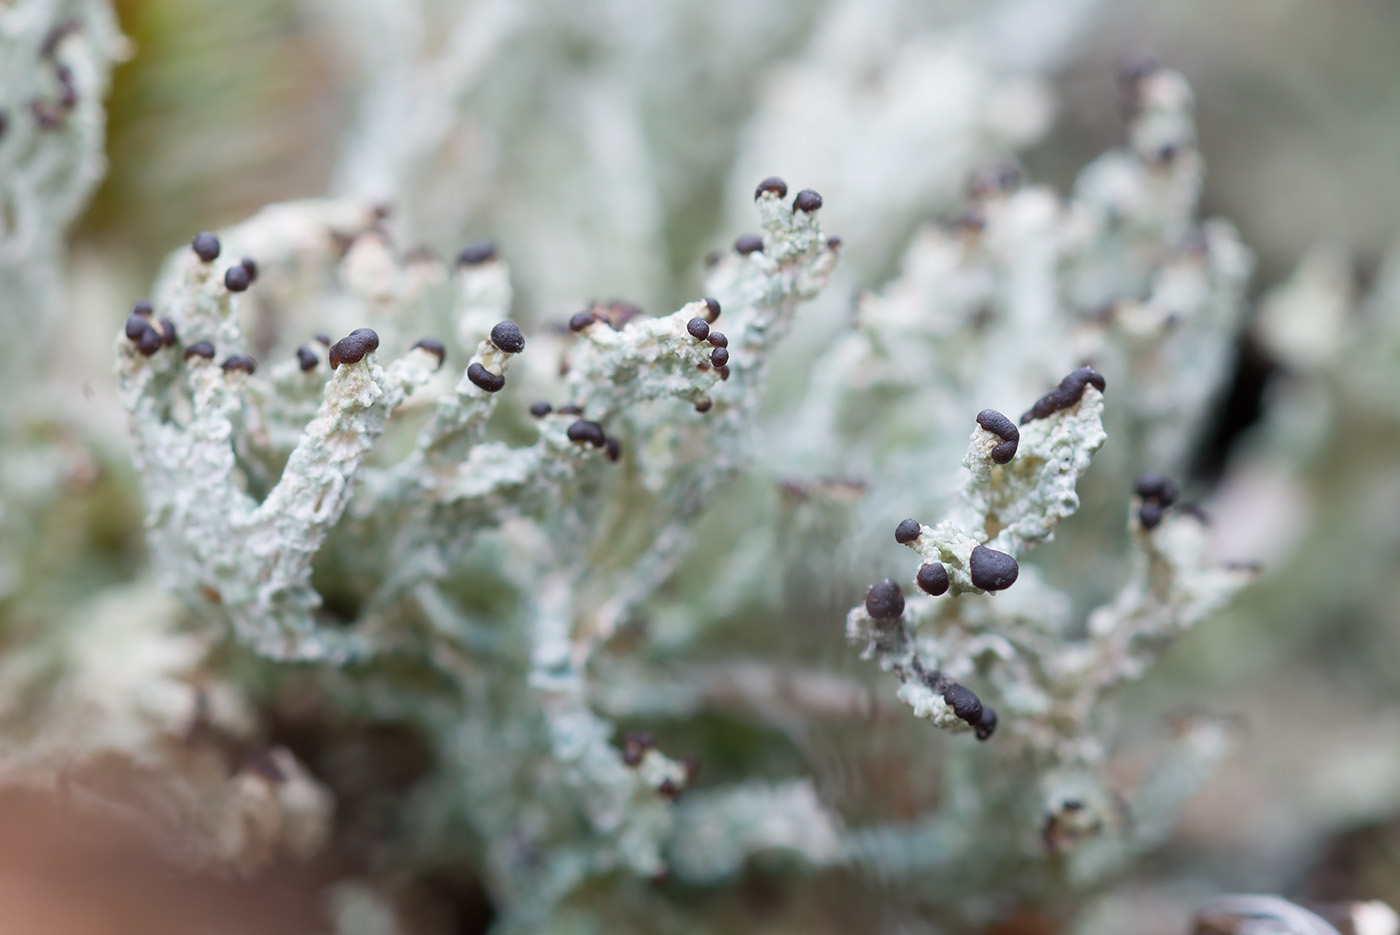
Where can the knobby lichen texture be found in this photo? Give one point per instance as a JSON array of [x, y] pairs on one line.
[[465, 589]]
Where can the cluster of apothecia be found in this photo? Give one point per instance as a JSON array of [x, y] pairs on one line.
[[1157, 492], [581, 431], [885, 601], [699, 329], [505, 337]]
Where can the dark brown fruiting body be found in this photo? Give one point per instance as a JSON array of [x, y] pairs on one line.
[[353, 347], [771, 184], [932, 579], [1069, 392], [613, 449], [249, 267], [206, 246], [485, 379], [540, 409], [1003, 428], [992, 570], [698, 328], [907, 531], [717, 339], [323, 338], [200, 349], [885, 600], [307, 359], [240, 363], [1154, 486], [585, 432], [571, 409], [723, 372], [964, 702], [149, 341], [711, 309], [506, 336], [1157, 492], [833, 243], [807, 201], [236, 279], [168, 337], [143, 308], [704, 404], [719, 357], [477, 253], [987, 724], [581, 320], [434, 347], [137, 325], [749, 243]]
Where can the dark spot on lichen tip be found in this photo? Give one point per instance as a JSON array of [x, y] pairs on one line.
[[143, 308], [1158, 487], [485, 379], [137, 325], [704, 404], [987, 725], [771, 184], [353, 347], [668, 789], [236, 279], [613, 449], [540, 409], [506, 336], [723, 372], [307, 359], [719, 357], [932, 579], [833, 243], [168, 337], [581, 320], [1067, 394], [964, 702], [907, 531], [432, 346], [807, 200], [240, 364], [632, 755], [1003, 453], [718, 340], [200, 349], [477, 253], [698, 327], [585, 432], [885, 600], [992, 570], [711, 309], [205, 246], [149, 341], [570, 409], [999, 425], [749, 243], [323, 338], [1150, 514], [250, 267]]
